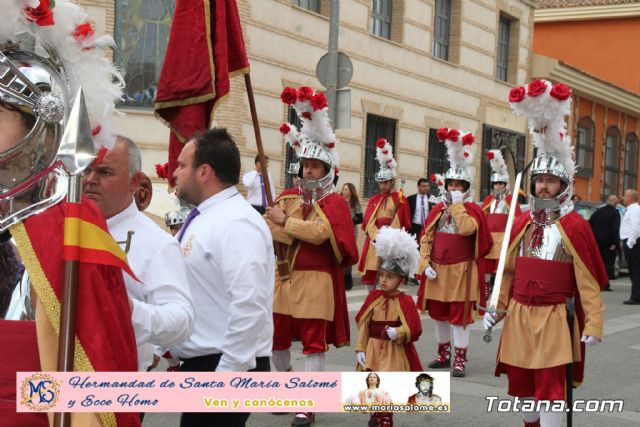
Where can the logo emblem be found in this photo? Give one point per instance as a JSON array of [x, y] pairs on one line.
[[186, 249], [39, 392]]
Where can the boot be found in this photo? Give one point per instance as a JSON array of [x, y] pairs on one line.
[[458, 363], [381, 419], [306, 420], [532, 424], [444, 356]]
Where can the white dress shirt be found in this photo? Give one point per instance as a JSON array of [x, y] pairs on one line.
[[228, 251], [251, 181], [422, 209], [630, 225], [163, 312]]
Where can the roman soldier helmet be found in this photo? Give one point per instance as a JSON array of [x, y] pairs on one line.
[[47, 54], [459, 156], [177, 217], [398, 251], [388, 165], [438, 180], [545, 106], [499, 172], [316, 138]]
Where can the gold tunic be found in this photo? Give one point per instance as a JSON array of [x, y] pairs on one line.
[[383, 210], [299, 295], [451, 282], [536, 337], [381, 354]]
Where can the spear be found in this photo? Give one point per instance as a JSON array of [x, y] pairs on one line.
[[76, 154], [283, 263]]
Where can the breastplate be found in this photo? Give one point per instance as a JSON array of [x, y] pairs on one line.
[[498, 205], [446, 223], [551, 245]]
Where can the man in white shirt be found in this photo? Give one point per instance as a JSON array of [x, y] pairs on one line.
[[162, 308], [228, 252], [255, 185], [419, 207], [630, 234]]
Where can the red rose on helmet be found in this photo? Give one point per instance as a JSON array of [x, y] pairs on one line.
[[331, 145], [560, 91], [285, 128], [490, 155], [442, 133], [83, 31], [453, 135], [439, 184], [319, 101], [536, 87], [466, 154], [289, 95], [385, 152], [41, 15], [433, 177], [381, 142], [516, 94], [305, 93], [162, 170], [306, 115], [468, 139]]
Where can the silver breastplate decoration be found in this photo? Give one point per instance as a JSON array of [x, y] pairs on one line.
[[446, 223], [499, 205], [544, 241]]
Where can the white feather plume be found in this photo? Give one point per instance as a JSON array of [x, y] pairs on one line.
[[86, 65], [393, 243], [458, 151], [497, 163], [546, 117], [384, 156]]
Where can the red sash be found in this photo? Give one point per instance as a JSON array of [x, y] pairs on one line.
[[542, 282], [452, 248], [381, 222], [497, 222], [315, 257], [377, 328]]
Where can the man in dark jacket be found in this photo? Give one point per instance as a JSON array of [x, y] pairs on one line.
[[605, 223], [419, 207]]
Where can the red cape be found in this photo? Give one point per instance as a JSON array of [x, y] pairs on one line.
[[483, 244], [410, 320], [402, 209], [582, 245], [103, 324], [287, 192], [487, 202]]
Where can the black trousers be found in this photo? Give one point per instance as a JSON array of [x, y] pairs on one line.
[[415, 229], [633, 261], [260, 209], [609, 258], [210, 419]]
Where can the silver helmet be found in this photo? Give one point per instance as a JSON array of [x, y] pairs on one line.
[[558, 206], [457, 174], [173, 218], [314, 190], [30, 178], [384, 174], [294, 168]]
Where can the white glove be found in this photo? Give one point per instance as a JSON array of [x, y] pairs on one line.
[[490, 320], [430, 273], [391, 333], [631, 243], [456, 196], [589, 340], [361, 359]]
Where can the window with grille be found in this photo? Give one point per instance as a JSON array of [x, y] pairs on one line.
[[611, 162], [513, 147], [441, 29], [502, 57], [585, 147], [312, 5], [141, 33], [436, 160], [377, 127], [381, 18], [631, 161], [292, 117]]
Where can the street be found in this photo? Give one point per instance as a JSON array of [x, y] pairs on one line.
[[612, 372]]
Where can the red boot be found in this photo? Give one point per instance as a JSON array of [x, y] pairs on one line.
[[444, 356], [458, 362], [381, 419], [306, 420], [532, 424]]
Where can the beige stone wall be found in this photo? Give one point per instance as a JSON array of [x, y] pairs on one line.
[[396, 78]]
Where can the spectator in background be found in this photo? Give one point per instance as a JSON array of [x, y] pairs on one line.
[[254, 183], [629, 234], [605, 223], [419, 207], [350, 195]]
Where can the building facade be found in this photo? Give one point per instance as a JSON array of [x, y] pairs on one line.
[[591, 45], [417, 65]]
